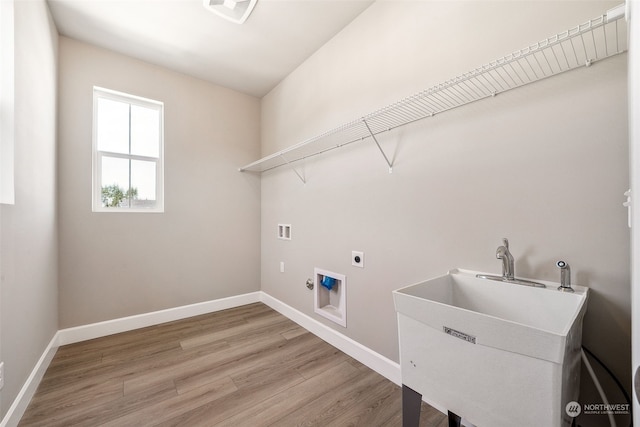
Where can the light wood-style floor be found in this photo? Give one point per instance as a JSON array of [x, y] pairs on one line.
[[247, 366]]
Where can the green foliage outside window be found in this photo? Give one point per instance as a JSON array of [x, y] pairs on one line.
[[113, 196]]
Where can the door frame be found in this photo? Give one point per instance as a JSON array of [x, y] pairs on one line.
[[633, 16]]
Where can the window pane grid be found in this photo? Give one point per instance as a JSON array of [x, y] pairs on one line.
[[128, 156], [127, 153]]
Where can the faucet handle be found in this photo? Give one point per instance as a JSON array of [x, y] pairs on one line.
[[505, 242]]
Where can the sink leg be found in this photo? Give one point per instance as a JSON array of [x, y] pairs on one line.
[[411, 402], [454, 420]]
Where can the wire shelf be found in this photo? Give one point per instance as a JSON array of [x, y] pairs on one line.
[[600, 38]]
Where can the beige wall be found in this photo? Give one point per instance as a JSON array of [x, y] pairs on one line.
[[545, 165], [28, 237], [206, 244]]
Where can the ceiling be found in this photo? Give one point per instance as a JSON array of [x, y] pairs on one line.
[[183, 36]]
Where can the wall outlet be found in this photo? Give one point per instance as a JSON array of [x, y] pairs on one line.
[[357, 259], [281, 266], [1, 375], [284, 231]]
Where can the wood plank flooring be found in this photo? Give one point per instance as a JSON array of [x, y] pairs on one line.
[[247, 366]]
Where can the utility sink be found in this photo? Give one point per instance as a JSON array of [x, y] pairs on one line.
[[495, 353]]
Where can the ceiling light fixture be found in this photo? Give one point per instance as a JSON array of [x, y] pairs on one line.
[[233, 10]]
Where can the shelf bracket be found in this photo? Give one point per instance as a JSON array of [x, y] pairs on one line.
[[386, 159], [301, 176]]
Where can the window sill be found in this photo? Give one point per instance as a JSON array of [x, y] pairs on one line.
[[156, 211]]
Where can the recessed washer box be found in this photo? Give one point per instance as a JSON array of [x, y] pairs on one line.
[[330, 296]]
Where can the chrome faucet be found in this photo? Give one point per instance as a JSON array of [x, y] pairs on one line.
[[508, 269], [503, 253], [565, 277]]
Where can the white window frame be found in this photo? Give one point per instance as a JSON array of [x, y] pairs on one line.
[[103, 93], [7, 108]]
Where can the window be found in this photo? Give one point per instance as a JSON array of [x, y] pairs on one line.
[[127, 153], [7, 189]]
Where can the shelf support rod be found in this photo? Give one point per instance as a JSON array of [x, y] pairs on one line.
[[293, 169], [386, 159]]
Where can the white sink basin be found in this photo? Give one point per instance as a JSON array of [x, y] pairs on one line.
[[493, 352]]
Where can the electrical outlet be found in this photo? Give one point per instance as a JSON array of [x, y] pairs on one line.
[[357, 259], [1, 375], [281, 266], [284, 231]]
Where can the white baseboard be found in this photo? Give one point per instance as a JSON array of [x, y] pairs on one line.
[[365, 355], [15, 412], [385, 367], [124, 324], [382, 365], [375, 361], [101, 329]]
